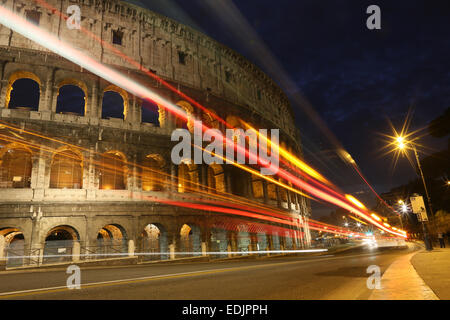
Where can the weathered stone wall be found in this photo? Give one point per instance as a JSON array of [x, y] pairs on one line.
[[154, 41]]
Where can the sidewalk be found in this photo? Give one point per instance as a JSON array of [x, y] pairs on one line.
[[434, 268], [401, 282]]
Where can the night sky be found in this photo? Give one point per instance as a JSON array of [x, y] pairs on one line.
[[356, 79]]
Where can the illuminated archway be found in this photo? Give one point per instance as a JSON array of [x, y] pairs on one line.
[[154, 243], [23, 91], [152, 179], [182, 123], [72, 97], [14, 246], [111, 242], [187, 177], [113, 171], [66, 170], [114, 103], [216, 178], [190, 240], [59, 244], [15, 166]]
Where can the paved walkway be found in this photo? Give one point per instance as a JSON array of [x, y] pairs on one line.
[[434, 268], [401, 282]]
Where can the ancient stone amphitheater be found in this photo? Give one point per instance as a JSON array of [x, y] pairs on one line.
[[83, 163]]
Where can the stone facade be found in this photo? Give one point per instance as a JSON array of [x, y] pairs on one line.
[[203, 69]]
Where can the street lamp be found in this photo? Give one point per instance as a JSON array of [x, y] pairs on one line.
[[402, 145]]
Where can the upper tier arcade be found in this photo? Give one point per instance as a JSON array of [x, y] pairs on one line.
[[175, 52]]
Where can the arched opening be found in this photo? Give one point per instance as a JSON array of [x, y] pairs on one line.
[[219, 242], [150, 112], [288, 241], [272, 191], [111, 242], [190, 240], [71, 100], [187, 177], [24, 94], [243, 240], [152, 176], [13, 246], [239, 181], [154, 243], [59, 244], [113, 105], [216, 178], [15, 167], [257, 187], [263, 243], [66, 170], [209, 120], [113, 171], [276, 241], [183, 123]]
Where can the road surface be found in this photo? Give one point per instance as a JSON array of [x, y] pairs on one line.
[[340, 276]]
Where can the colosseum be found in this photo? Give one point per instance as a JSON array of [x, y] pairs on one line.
[[85, 167]]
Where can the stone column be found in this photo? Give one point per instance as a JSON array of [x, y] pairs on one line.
[[173, 178], [228, 181], [203, 177], [93, 109], [38, 172], [277, 190], [2, 249], [266, 196], [288, 196], [54, 99], [131, 248], [175, 244], [91, 185], [76, 251], [4, 89]]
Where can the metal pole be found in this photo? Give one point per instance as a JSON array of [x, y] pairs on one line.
[[423, 180], [426, 237]]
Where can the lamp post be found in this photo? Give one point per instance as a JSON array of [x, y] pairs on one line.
[[401, 144]]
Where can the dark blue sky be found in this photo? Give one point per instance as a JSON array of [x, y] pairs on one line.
[[354, 78]]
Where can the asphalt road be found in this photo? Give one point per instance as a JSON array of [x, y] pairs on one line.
[[340, 276]]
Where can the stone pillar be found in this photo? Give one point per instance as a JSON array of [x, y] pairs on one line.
[[172, 251], [229, 251], [266, 196], [228, 181], [173, 178], [277, 190], [54, 99], [204, 249], [76, 251], [38, 172], [203, 177], [3, 91], [175, 243], [46, 97], [91, 183], [288, 196], [41, 256], [93, 109], [131, 248], [2, 248]]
